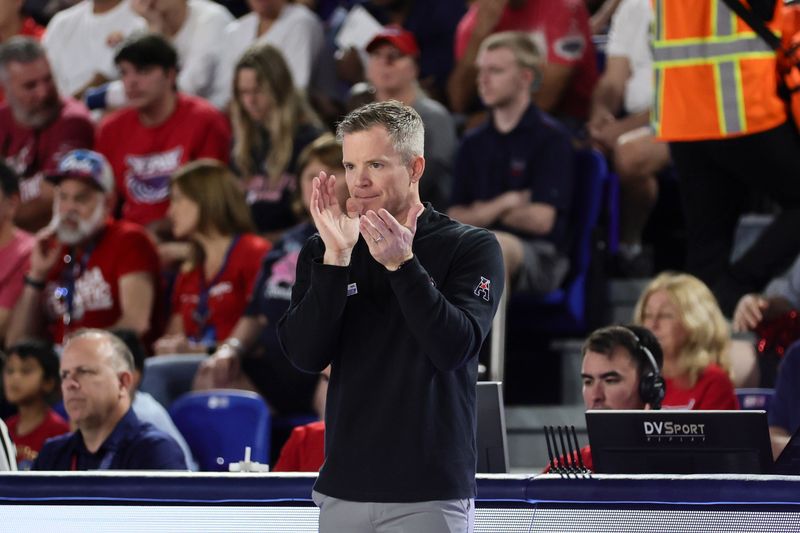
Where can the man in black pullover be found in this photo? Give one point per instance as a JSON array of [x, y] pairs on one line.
[[398, 298]]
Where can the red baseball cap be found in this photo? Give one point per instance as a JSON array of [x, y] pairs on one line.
[[401, 39]]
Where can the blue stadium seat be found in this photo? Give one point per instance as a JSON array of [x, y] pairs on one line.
[[219, 424], [563, 312], [166, 377], [755, 399]]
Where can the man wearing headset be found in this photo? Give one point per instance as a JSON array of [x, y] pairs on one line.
[[621, 369]]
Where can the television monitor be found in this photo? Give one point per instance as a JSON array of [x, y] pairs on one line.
[[679, 442], [491, 432]]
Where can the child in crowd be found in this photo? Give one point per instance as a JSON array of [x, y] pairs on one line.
[[30, 380]]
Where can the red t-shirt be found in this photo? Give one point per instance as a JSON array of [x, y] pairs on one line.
[[713, 390], [560, 29], [32, 153], [28, 446], [124, 248], [228, 291], [144, 158], [14, 261], [304, 451]]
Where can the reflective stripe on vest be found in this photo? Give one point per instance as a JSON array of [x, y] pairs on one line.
[[723, 50]]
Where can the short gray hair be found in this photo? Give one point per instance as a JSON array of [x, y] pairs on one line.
[[19, 49], [402, 123], [121, 356]]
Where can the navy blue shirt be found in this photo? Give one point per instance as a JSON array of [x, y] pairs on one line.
[[286, 389], [133, 445], [537, 155]]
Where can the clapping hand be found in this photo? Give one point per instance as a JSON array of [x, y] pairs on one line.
[[390, 242], [338, 230]]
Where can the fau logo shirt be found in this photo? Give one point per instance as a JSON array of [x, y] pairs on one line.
[[144, 158], [281, 280], [147, 176], [272, 291], [124, 248]]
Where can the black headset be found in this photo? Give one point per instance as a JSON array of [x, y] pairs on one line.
[[651, 383]]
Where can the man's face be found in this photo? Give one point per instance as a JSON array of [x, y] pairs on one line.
[[390, 70], [610, 382], [92, 389], [80, 210], [500, 77], [31, 93], [146, 87], [376, 175]]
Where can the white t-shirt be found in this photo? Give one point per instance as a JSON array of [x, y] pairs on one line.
[[80, 44], [629, 37], [297, 33], [197, 43]]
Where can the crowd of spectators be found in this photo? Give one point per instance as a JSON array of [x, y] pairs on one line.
[[175, 209]]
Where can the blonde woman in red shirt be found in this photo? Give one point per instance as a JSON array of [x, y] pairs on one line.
[[694, 336]]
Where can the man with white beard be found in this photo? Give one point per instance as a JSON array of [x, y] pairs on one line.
[[87, 269]]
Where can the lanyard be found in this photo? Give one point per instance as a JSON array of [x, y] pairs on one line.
[[202, 312], [72, 271]]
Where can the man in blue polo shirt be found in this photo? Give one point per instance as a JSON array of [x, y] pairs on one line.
[[96, 381], [514, 173]]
